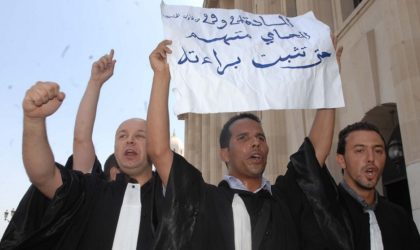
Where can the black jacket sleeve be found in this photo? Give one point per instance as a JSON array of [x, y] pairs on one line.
[[182, 202], [39, 223], [321, 193]]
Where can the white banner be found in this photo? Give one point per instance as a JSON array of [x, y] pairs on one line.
[[231, 61]]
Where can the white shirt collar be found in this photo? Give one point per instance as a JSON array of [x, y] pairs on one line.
[[235, 183]]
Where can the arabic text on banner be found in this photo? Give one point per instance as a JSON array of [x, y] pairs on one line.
[[232, 61]]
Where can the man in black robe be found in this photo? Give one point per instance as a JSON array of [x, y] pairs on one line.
[[244, 211], [65, 209], [377, 223], [373, 221]]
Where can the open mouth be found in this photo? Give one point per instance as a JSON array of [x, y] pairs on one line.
[[130, 152], [256, 157], [370, 173]]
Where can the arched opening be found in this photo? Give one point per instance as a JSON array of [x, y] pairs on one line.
[[394, 178]]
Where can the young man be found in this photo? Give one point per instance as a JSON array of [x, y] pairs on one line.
[[70, 210], [244, 211], [376, 222]]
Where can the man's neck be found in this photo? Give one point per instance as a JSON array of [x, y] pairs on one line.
[[143, 178], [367, 195], [251, 184]]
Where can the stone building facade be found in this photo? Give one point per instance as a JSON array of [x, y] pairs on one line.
[[381, 84]]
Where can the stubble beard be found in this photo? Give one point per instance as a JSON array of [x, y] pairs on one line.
[[366, 185]]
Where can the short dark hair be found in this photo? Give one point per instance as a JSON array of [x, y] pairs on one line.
[[357, 126], [109, 163], [225, 134]]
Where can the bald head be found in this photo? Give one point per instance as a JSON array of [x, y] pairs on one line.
[[133, 122], [130, 148]]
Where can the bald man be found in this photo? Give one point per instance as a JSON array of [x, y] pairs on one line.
[[66, 209]]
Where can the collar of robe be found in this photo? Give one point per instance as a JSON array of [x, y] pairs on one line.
[[359, 199]]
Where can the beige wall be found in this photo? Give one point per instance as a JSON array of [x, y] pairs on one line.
[[380, 64]]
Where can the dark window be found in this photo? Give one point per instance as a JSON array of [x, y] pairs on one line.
[[356, 3]]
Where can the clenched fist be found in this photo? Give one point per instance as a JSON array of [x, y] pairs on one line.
[[42, 100]]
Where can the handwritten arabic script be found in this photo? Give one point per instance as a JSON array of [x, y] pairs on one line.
[[217, 51]]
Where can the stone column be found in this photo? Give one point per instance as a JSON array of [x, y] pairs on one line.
[[247, 5], [405, 67], [283, 7], [322, 9]]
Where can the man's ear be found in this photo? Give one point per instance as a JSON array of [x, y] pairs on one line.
[[224, 155], [340, 161]]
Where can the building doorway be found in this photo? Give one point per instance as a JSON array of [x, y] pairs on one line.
[[394, 178]]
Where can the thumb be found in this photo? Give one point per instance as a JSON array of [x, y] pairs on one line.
[[61, 96]]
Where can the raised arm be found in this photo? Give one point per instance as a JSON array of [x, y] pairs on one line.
[[40, 101], [321, 133], [83, 148], [322, 129], [158, 142]]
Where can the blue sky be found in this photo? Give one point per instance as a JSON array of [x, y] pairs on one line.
[[58, 40]]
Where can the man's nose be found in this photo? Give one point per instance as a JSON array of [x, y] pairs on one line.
[[130, 140], [255, 142], [370, 155]]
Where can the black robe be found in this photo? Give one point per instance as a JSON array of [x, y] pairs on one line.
[[311, 194], [199, 216], [341, 218], [82, 215], [398, 229], [96, 169]]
